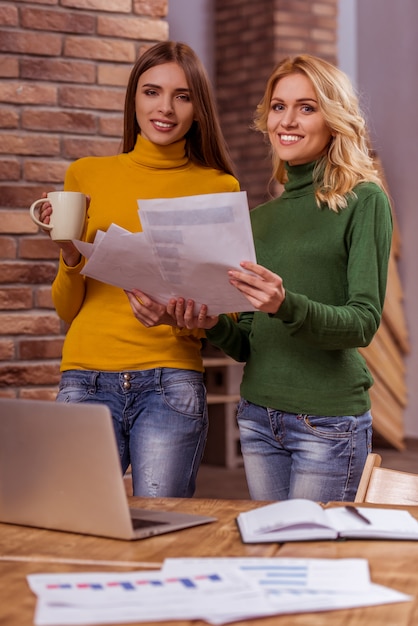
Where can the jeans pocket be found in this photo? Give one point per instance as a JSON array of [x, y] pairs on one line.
[[186, 397], [241, 407], [72, 392], [332, 427]]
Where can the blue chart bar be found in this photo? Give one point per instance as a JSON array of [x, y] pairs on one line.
[[276, 576], [135, 585]]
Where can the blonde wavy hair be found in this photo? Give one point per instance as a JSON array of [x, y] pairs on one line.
[[348, 160]]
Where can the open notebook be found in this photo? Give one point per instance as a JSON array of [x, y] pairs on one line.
[[303, 520], [60, 469]]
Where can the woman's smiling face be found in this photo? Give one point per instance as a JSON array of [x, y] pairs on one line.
[[297, 129], [163, 107]]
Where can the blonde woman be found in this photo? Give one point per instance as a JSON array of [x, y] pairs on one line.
[[319, 285]]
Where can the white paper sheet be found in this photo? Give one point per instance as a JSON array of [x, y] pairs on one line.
[[297, 585], [186, 248], [217, 590], [141, 596]]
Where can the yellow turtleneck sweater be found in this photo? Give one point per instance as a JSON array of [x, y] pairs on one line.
[[104, 334]]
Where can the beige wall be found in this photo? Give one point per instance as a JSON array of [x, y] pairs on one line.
[[388, 78]]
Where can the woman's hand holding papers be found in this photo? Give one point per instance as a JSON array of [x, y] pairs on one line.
[[262, 288], [147, 311], [183, 313], [179, 312]]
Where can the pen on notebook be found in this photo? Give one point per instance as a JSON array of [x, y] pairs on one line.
[[356, 513]]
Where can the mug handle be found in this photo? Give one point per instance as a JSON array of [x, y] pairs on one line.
[[33, 216]]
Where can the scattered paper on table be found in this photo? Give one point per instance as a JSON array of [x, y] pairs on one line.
[[217, 590]]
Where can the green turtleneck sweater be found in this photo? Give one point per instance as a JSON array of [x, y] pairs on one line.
[[103, 333], [304, 359]]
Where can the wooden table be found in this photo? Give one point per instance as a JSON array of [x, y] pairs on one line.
[[392, 563]]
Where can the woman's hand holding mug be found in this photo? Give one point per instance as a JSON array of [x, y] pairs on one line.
[[67, 217], [63, 215]]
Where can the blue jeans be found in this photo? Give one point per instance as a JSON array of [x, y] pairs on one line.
[[160, 420], [302, 456]]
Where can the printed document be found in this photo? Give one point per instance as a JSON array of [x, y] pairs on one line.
[[216, 590], [187, 246]]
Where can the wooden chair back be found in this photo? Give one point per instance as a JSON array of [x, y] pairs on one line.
[[379, 485]]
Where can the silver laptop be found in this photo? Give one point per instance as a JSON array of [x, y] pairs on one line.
[[60, 470]]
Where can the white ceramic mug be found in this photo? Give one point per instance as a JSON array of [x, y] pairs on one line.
[[68, 214]]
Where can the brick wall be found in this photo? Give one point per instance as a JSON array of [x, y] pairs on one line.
[[251, 37], [63, 70]]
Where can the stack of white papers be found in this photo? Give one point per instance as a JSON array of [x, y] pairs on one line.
[[186, 248], [216, 590]]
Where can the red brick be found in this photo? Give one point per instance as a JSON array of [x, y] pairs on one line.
[[44, 170], [9, 117], [9, 67], [78, 147], [16, 222], [324, 50], [21, 196], [99, 49], [156, 8], [60, 120], [38, 248], [19, 374], [26, 42], [9, 169], [92, 98], [290, 17], [30, 349], [32, 144], [58, 70], [111, 125], [297, 6], [8, 247], [25, 272], [325, 8], [43, 298], [291, 31], [50, 2], [112, 74], [34, 323], [40, 393], [14, 298], [26, 93], [9, 16], [322, 35], [115, 6], [8, 393], [132, 28], [7, 349], [60, 21]]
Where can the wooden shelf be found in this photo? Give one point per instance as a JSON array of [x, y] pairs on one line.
[[223, 377], [219, 398]]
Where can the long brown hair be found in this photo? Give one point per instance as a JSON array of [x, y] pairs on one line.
[[205, 143], [348, 160]]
